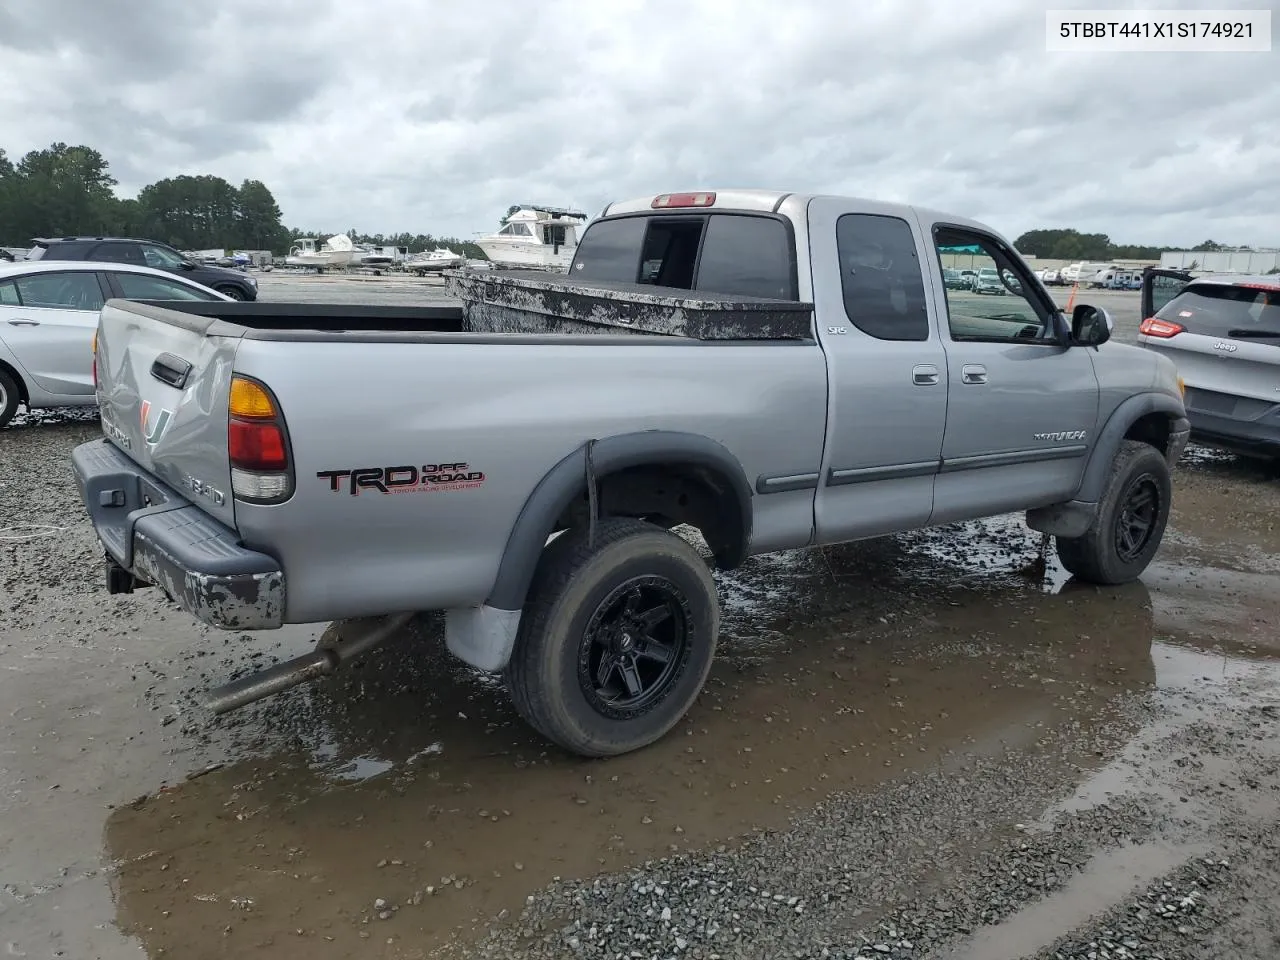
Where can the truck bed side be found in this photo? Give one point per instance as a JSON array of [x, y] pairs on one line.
[[498, 417]]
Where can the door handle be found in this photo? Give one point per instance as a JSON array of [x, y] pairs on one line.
[[924, 374], [24, 323], [973, 373]]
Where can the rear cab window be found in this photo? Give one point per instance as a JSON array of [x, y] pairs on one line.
[[734, 254], [1233, 311]]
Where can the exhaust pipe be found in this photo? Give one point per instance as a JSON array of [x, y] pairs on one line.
[[330, 653]]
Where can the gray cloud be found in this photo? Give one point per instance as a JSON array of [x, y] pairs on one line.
[[437, 117]]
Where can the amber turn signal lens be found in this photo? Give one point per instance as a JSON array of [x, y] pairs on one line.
[[248, 399]]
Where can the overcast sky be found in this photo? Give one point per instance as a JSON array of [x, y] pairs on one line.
[[435, 115]]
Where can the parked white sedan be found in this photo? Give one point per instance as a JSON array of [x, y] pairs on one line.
[[48, 313]]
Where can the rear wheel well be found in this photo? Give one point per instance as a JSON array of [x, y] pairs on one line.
[[669, 495], [23, 395], [1152, 429]]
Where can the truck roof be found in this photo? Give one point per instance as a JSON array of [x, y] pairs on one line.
[[771, 201]]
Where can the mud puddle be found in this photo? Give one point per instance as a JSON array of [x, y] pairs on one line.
[[415, 808]]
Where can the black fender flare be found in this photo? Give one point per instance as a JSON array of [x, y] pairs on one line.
[[568, 479], [1112, 434]]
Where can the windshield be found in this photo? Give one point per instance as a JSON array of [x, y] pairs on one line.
[[1215, 310]]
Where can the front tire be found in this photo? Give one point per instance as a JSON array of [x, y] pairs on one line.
[[235, 293], [1131, 519], [10, 396], [616, 639]]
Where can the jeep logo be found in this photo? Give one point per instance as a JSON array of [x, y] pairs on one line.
[[1223, 345]]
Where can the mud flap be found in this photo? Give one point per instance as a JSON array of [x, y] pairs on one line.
[[481, 636], [1068, 520]]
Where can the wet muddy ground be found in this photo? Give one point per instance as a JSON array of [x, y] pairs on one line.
[[923, 746]]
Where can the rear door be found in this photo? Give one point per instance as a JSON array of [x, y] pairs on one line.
[[48, 324], [1159, 287], [1225, 340], [117, 252], [163, 388], [887, 399], [144, 286]]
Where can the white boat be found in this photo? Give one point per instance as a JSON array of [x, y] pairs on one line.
[[337, 251], [535, 236], [441, 258], [369, 255]]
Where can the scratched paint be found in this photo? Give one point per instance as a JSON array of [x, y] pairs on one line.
[[532, 302]]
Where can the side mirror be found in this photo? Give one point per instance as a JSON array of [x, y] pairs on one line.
[[189, 264], [1090, 326], [1011, 281]]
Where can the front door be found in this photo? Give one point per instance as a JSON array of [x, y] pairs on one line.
[[48, 323], [1022, 405], [887, 373]]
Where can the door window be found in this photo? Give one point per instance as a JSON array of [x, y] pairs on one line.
[[9, 295], [1164, 289], [1003, 304], [140, 286], [117, 253], [880, 277], [60, 291], [160, 258]]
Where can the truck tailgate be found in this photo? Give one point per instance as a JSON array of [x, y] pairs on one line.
[[162, 389]]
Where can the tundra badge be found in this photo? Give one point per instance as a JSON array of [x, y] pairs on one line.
[[1064, 435]]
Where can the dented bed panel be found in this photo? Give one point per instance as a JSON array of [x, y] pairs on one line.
[[529, 302]]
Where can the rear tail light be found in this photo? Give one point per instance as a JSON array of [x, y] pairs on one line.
[[683, 200], [257, 444], [1163, 329]]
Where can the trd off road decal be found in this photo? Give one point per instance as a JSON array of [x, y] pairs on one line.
[[409, 479]]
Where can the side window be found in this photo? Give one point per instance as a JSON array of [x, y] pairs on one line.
[[1000, 305], [60, 291], [117, 253], [1164, 289], [160, 258], [9, 295], [747, 256], [610, 251], [139, 286], [880, 276]]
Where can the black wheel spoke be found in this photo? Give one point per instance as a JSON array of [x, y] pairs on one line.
[[603, 670], [652, 617], [631, 677], [656, 651]]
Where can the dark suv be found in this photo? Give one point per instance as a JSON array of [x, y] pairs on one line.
[[146, 253]]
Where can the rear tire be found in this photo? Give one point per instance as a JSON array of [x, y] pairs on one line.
[[616, 639], [1130, 522], [10, 397]]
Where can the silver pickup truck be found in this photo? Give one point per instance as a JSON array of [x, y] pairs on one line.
[[773, 370]]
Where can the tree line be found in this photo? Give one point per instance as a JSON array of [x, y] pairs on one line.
[[65, 190], [1067, 244]]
